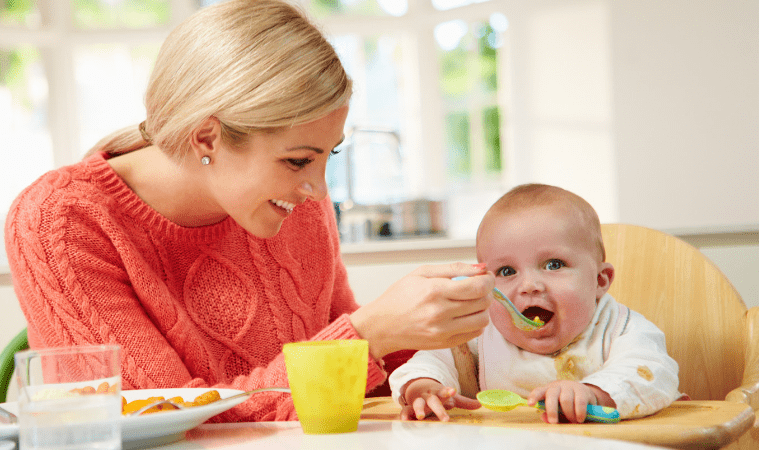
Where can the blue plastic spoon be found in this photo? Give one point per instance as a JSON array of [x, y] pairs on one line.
[[503, 400], [518, 318]]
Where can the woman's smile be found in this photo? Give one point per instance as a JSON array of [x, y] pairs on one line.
[[282, 207]]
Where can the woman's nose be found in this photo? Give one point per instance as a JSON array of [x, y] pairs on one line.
[[314, 189]]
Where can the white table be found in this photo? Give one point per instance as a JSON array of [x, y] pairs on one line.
[[396, 435]]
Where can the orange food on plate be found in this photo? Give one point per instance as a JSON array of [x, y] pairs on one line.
[[181, 401], [206, 398], [102, 389], [134, 405]]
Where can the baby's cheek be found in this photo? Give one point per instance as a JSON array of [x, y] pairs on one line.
[[500, 318]]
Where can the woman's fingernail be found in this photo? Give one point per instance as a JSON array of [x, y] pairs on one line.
[[480, 266]]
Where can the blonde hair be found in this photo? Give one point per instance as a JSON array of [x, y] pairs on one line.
[[255, 65], [527, 196]]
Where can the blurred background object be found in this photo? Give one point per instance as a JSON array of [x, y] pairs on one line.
[[648, 109]]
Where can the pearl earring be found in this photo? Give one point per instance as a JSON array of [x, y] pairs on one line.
[[206, 160]]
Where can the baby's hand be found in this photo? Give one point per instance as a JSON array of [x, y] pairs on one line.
[[571, 397], [425, 396]]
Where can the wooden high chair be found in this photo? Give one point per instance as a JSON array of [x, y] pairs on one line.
[[708, 328]]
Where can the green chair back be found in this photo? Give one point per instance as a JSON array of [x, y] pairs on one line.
[[18, 343]]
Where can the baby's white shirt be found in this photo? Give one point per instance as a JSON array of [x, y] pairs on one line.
[[621, 352]]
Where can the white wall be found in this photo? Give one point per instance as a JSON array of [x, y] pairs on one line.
[[11, 319], [685, 75], [561, 109], [646, 108]]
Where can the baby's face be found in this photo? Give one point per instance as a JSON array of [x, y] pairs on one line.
[[546, 263]]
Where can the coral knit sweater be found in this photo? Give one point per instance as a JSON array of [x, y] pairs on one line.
[[209, 306]]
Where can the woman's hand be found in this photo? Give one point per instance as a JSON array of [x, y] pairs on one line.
[[427, 310], [571, 397], [425, 396]]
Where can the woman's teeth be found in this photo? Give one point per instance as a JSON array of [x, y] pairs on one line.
[[284, 205]]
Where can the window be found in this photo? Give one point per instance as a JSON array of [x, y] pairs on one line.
[[425, 118], [23, 119], [469, 87], [322, 9], [427, 108], [72, 71]]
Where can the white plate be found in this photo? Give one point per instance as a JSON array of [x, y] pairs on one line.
[[154, 429]]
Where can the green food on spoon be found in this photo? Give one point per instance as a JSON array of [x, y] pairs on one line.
[[518, 318]]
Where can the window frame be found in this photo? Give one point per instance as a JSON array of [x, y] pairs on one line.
[[57, 39], [424, 141]]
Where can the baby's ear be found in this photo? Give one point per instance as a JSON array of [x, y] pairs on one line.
[[604, 279]]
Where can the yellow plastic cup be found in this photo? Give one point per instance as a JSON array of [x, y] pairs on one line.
[[327, 381]]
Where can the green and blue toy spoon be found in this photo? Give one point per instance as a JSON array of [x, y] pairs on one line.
[[503, 400]]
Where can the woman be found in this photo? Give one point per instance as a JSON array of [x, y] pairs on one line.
[[204, 239]]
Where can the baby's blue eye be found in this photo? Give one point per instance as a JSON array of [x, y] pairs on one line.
[[554, 264], [505, 271]]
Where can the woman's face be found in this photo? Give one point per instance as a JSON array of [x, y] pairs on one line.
[[546, 263], [261, 184]]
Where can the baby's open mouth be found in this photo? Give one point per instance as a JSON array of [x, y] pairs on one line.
[[536, 311]]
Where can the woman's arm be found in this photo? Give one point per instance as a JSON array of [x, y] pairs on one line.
[[427, 310]]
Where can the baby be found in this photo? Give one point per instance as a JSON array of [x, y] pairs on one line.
[[544, 245]]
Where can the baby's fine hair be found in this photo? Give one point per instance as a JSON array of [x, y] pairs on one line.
[[255, 65], [526, 196]]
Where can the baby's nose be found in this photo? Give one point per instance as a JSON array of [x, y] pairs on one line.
[[531, 283]]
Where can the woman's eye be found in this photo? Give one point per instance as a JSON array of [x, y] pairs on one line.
[[336, 150], [505, 271], [300, 162], [554, 264]]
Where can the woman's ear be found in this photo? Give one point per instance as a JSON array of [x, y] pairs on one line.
[[206, 138], [604, 279]]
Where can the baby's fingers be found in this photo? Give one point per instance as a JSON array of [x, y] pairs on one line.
[[537, 394], [424, 406], [446, 396], [407, 413], [460, 401], [427, 403], [581, 405]]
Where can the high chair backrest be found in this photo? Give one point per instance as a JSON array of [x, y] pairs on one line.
[[7, 363], [708, 328]]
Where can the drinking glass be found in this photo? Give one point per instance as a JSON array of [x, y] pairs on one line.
[[327, 381], [69, 398]]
